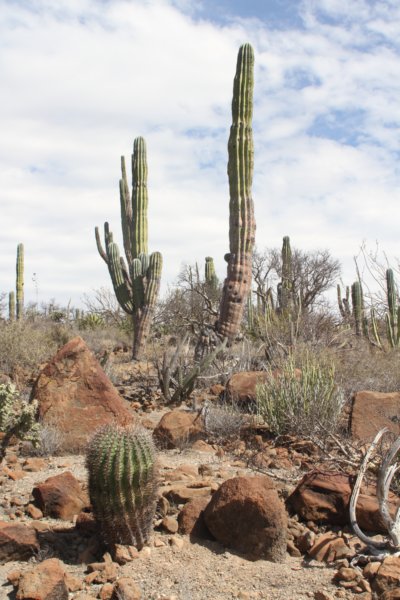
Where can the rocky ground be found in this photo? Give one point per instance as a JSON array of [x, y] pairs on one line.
[[51, 549]]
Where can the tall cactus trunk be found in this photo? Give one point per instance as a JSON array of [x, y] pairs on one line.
[[241, 211], [20, 281]]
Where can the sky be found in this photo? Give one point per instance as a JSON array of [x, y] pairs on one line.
[[81, 79]]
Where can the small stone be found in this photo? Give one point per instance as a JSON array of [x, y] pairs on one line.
[[177, 542], [106, 591], [145, 552], [14, 576], [170, 524], [322, 595], [126, 588], [34, 464], [34, 512], [158, 542], [123, 554], [73, 583]]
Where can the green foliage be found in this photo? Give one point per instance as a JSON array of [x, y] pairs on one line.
[[91, 321], [17, 417], [121, 463], [301, 398]]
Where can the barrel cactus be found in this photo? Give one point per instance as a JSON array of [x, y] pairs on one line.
[[241, 210], [136, 281], [121, 464]]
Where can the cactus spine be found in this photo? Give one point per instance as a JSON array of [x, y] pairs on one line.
[[136, 281], [121, 464], [20, 281], [241, 211]]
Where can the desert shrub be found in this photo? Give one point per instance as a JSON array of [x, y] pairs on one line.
[[49, 442], [222, 420], [25, 344], [304, 402], [17, 417]]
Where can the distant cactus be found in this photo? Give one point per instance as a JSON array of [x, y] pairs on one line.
[[393, 314], [136, 282], [209, 273], [11, 306], [357, 300], [20, 281], [241, 210], [122, 470], [343, 303]]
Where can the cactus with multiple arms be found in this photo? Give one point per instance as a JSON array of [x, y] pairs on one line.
[[20, 281], [121, 463], [241, 211], [136, 281]]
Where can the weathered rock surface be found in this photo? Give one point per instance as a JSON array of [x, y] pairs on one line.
[[17, 541], [60, 496], [46, 581], [388, 577], [246, 514], [371, 411], [191, 519], [178, 428], [76, 397], [325, 497]]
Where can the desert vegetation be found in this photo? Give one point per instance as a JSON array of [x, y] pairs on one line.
[[260, 371]]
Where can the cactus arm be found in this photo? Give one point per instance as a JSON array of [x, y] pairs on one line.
[[153, 276], [20, 281], [241, 211], [139, 198], [357, 301], [117, 277], [391, 297], [99, 245]]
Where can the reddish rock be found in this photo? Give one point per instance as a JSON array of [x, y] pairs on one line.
[[178, 428], [241, 387], [35, 464], [246, 514], [76, 397], [60, 496], [46, 581], [371, 411], [191, 519], [17, 541], [126, 588], [180, 494], [325, 497], [388, 576]]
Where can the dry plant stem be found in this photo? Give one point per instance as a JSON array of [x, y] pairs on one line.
[[385, 476]]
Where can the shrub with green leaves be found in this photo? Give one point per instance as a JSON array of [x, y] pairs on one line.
[[305, 402], [17, 418]]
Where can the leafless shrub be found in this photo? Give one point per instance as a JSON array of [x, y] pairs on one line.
[[223, 420], [50, 442]]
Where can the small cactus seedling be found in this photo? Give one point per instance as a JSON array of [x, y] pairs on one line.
[[121, 463]]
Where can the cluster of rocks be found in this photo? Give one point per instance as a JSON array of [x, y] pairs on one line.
[[251, 515]]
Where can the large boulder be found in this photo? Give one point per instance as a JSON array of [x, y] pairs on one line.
[[246, 514], [371, 411], [76, 397], [325, 497], [178, 428], [60, 496]]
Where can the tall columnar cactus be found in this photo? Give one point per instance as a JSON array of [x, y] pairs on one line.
[[357, 300], [286, 293], [210, 274], [241, 211], [393, 314], [11, 306], [20, 281], [136, 281], [122, 470], [343, 303]]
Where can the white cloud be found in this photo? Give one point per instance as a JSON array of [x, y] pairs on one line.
[[81, 79]]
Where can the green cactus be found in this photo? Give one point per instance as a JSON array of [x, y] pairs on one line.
[[121, 464], [11, 306], [241, 210], [360, 320], [20, 281], [393, 315], [136, 282], [344, 303], [286, 292], [210, 274]]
